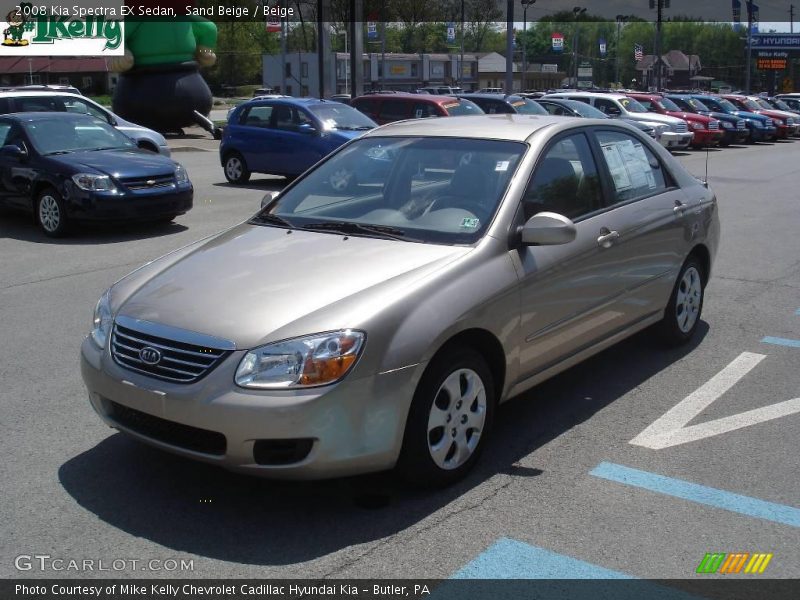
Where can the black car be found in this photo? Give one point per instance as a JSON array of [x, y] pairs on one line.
[[504, 104], [67, 167]]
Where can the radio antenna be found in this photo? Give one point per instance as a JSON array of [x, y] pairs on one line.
[[705, 179]]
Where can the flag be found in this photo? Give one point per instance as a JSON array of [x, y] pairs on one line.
[[638, 52]]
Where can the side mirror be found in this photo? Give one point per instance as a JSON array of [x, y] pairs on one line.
[[306, 128], [548, 229], [268, 197], [13, 151]]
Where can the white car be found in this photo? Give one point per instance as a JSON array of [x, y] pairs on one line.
[[27, 100], [671, 132]]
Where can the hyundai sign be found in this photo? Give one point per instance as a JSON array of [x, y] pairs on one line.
[[776, 41]]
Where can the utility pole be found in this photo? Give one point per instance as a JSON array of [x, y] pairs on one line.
[[577, 12], [525, 5], [791, 18], [749, 45], [657, 50], [461, 63], [509, 46], [620, 20]]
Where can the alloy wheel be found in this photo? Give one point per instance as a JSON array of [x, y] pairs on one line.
[[49, 213], [688, 299]]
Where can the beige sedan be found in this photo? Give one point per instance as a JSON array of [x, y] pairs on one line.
[[343, 331]]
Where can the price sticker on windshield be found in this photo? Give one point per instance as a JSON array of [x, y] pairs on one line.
[[470, 223]]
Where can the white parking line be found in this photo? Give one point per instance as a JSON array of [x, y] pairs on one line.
[[670, 429]]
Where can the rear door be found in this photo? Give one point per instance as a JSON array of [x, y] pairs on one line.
[[252, 137], [15, 174]]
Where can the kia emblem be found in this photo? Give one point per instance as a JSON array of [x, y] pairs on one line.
[[149, 355]]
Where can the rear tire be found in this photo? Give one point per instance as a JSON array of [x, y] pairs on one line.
[[449, 421], [682, 315], [51, 213], [235, 168]]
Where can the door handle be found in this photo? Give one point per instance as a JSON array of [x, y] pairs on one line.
[[679, 208], [607, 237]]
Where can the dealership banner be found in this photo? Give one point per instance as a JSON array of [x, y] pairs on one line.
[[85, 29], [558, 42]]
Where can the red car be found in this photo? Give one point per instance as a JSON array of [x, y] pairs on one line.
[[706, 130], [784, 129], [387, 108]]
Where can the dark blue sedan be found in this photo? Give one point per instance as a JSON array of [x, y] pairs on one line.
[[285, 136], [67, 167]]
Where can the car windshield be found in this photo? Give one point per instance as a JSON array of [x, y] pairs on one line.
[[341, 116], [528, 107], [458, 108], [586, 110], [751, 105], [782, 105], [697, 105], [765, 104], [417, 189], [726, 104], [632, 105], [668, 104], [59, 136]]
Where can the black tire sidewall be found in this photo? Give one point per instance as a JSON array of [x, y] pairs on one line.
[[62, 223], [669, 325], [245, 176], [415, 463]]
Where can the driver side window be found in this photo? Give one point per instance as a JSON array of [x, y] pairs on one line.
[[565, 180]]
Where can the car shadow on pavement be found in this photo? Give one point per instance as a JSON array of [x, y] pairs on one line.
[[20, 226], [201, 509], [263, 184]]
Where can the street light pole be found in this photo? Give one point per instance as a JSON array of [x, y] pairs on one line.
[[620, 20], [525, 5], [577, 12]]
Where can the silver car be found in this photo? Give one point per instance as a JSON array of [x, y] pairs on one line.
[[346, 331]]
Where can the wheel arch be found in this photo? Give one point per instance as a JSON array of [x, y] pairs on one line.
[[702, 254]]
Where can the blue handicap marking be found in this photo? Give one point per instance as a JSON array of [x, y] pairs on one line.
[[779, 341], [702, 494], [561, 577]]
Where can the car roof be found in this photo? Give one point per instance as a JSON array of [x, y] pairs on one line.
[[511, 127], [48, 93], [610, 95], [49, 115], [492, 96], [429, 98]]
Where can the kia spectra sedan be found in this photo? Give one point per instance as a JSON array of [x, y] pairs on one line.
[[340, 332]]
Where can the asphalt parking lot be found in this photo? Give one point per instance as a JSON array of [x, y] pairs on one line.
[[561, 491]]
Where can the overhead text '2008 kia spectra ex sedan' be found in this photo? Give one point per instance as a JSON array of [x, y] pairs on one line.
[[339, 332]]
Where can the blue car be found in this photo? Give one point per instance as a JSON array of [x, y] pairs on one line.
[[285, 136], [761, 128], [67, 167]]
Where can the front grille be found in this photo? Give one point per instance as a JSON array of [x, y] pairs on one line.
[[178, 361], [682, 127], [790, 122], [169, 432], [740, 124], [770, 123], [148, 183], [713, 125]]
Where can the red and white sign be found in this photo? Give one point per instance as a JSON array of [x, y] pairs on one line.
[[273, 26], [558, 42]]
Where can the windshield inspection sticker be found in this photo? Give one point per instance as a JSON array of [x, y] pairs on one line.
[[470, 223], [502, 165]]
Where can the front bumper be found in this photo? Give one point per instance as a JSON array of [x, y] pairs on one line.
[[355, 426], [673, 140], [706, 137], [763, 134], [735, 136], [88, 206]]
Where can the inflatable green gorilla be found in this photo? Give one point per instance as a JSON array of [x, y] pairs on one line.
[[160, 85]]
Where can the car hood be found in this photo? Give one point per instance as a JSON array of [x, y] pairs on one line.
[[743, 114], [254, 284], [650, 116], [687, 116], [120, 163], [721, 116]]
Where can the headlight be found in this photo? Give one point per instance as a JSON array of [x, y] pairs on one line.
[[101, 322], [306, 361], [726, 124], [777, 121], [93, 183], [757, 124], [181, 176], [696, 125]]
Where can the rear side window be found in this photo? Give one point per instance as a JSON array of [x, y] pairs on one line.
[[565, 181], [84, 108], [395, 110], [423, 110], [635, 170], [368, 106], [256, 116], [39, 103], [490, 107], [4, 129]]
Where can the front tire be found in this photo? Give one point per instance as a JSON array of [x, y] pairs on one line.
[[51, 214], [235, 168], [682, 315], [449, 420]]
